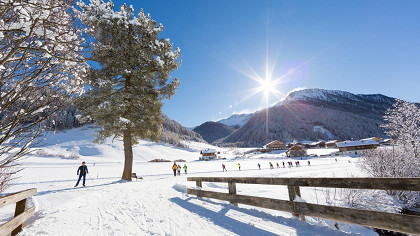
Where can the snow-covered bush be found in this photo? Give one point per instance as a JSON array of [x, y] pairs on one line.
[[403, 124], [401, 160]]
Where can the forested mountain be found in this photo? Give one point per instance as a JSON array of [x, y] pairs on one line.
[[212, 131], [173, 132], [313, 114]]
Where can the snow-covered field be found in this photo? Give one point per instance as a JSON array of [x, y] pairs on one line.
[[158, 204]]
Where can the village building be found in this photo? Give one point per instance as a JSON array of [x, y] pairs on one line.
[[318, 144], [275, 145], [208, 154], [376, 139], [386, 141], [296, 151], [331, 144], [356, 147]]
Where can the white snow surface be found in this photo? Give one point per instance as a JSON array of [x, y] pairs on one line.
[[158, 204], [236, 119]]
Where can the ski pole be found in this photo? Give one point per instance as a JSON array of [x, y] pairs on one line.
[[90, 178]]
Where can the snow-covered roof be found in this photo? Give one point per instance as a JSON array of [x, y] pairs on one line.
[[356, 143], [273, 142], [385, 140], [316, 143], [302, 142], [371, 139], [332, 141], [208, 151]]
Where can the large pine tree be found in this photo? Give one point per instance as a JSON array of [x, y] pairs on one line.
[[128, 87]]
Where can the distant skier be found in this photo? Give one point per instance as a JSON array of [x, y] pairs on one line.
[[309, 163], [185, 168], [271, 165], [224, 167], [178, 168], [259, 166], [81, 172], [174, 167], [239, 166], [283, 165], [278, 166]]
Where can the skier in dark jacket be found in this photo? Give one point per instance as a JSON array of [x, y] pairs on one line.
[[82, 171]]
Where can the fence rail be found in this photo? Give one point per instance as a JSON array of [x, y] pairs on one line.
[[382, 220], [15, 225]]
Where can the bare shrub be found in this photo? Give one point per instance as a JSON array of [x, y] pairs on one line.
[[74, 155], [6, 177]]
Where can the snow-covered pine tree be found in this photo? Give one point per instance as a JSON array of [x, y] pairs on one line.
[[41, 63], [128, 87]]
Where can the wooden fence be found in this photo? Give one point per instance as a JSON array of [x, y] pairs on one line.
[[15, 225], [382, 220]]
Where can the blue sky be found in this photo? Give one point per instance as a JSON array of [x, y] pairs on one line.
[[364, 47]]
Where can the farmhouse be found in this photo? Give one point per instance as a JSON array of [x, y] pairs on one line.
[[208, 154], [356, 147], [387, 141], [331, 144], [319, 144], [274, 145], [296, 151]]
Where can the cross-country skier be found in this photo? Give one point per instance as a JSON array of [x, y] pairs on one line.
[[259, 166], [239, 166], [224, 167], [185, 168], [81, 172], [178, 169], [174, 167]]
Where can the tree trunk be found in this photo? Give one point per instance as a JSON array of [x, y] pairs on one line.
[[128, 153]]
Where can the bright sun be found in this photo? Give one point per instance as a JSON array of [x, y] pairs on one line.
[[267, 86]]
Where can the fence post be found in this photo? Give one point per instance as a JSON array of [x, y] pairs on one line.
[[232, 190], [293, 192], [198, 183], [20, 208]]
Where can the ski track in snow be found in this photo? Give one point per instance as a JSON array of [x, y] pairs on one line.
[[158, 205]]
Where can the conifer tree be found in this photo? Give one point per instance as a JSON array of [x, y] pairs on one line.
[[129, 86]]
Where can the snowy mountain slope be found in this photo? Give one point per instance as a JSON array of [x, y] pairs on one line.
[[236, 120], [342, 115], [372, 106], [79, 142], [158, 205]]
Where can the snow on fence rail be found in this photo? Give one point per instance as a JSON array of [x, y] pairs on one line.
[[15, 225], [390, 221]]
